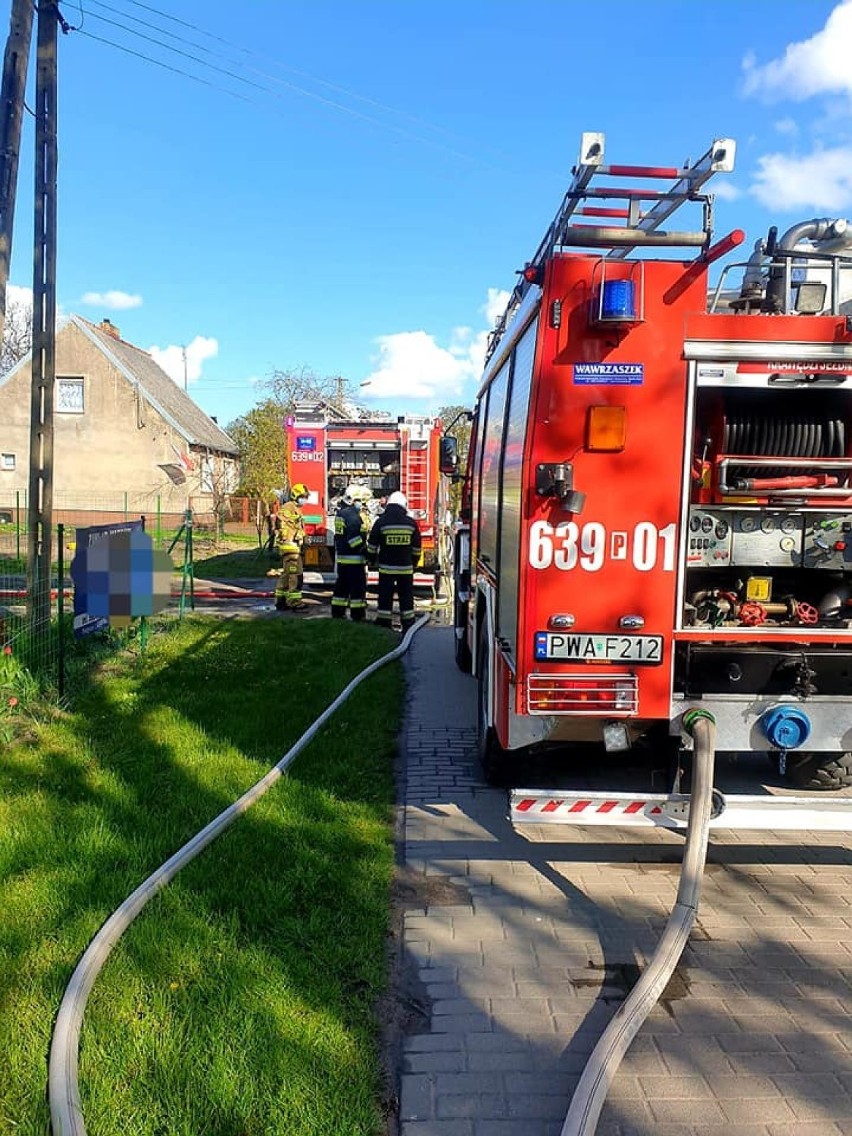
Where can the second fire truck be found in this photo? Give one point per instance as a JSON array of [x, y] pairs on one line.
[[330, 453], [658, 497]]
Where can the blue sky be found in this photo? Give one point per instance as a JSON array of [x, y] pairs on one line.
[[354, 196]]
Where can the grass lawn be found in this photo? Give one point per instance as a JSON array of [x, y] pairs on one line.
[[227, 563], [241, 1001]]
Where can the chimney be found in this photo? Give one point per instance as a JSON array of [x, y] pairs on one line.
[[110, 329], [213, 418]]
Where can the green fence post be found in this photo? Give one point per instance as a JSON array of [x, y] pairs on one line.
[[159, 523], [60, 607], [125, 504], [18, 525], [191, 559]]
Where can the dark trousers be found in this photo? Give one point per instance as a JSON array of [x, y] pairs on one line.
[[403, 585], [350, 590]]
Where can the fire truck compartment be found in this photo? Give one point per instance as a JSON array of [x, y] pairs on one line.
[[803, 671]]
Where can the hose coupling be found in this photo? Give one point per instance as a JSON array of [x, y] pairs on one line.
[[694, 715]]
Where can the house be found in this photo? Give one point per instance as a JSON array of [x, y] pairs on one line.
[[127, 439]]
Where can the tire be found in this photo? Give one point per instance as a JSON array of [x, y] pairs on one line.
[[819, 771], [496, 762]]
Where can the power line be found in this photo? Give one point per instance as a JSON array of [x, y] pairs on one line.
[[299, 90], [251, 83], [416, 119], [165, 66]]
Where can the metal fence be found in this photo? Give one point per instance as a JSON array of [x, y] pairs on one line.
[[36, 638]]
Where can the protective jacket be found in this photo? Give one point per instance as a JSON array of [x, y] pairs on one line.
[[350, 543], [394, 542], [291, 533]]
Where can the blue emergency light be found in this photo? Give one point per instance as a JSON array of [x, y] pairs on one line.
[[619, 300]]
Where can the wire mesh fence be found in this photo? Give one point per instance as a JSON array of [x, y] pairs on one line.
[[37, 616]]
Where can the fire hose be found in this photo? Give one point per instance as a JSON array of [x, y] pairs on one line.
[[606, 1057], [66, 1115]]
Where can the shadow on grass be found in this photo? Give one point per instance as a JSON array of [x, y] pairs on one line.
[[234, 565], [266, 954]]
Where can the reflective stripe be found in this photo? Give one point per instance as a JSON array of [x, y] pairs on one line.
[[356, 542], [358, 603], [394, 570], [350, 560], [338, 602]]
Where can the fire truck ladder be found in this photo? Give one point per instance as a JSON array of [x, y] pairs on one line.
[[642, 228], [414, 465]]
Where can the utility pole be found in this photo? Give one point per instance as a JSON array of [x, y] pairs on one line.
[[44, 319], [15, 63]]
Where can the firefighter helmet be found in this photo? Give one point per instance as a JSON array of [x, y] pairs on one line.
[[298, 490], [398, 498]]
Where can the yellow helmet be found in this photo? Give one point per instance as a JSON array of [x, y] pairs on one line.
[[299, 490]]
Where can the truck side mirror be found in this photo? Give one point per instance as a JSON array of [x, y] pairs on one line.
[[448, 459]]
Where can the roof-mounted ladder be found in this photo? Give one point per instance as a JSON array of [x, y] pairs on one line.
[[641, 229]]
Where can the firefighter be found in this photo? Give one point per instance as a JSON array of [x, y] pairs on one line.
[[394, 546], [350, 546], [289, 538]]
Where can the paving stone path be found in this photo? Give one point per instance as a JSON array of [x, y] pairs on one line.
[[539, 935]]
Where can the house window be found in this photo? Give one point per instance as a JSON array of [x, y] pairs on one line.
[[69, 396], [207, 485], [7, 461]]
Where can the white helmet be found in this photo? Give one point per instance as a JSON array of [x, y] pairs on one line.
[[398, 498]]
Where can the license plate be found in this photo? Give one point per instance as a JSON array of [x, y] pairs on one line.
[[599, 648]]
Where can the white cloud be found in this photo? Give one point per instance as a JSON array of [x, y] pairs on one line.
[[112, 301], [18, 295], [726, 191], [175, 360], [412, 364], [814, 66], [819, 180], [787, 126], [495, 305]]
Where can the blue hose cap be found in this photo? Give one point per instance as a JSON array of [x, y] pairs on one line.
[[786, 727]]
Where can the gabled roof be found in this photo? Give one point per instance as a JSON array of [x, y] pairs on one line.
[[159, 390]]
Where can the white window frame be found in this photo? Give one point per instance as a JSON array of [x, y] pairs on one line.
[[70, 381], [208, 474], [8, 462]]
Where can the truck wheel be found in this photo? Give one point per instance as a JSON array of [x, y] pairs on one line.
[[818, 770], [495, 761]]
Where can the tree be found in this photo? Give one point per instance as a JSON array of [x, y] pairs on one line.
[[456, 423], [259, 433], [17, 334], [302, 384]]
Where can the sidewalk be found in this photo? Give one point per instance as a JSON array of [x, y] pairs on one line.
[[525, 945]]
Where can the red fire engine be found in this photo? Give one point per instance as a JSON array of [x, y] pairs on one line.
[[328, 453], [658, 497]]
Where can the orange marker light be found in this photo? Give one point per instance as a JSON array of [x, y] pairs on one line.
[[606, 428]]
